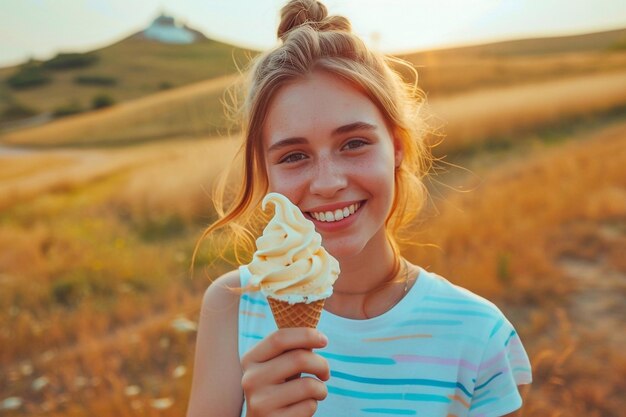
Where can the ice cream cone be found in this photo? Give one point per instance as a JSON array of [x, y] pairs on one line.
[[291, 267], [296, 315]]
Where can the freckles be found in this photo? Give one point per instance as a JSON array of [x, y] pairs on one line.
[[286, 182], [375, 165]]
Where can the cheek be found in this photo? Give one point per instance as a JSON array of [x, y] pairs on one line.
[[288, 184], [377, 169]]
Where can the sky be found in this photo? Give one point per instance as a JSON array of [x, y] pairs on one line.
[[42, 28]]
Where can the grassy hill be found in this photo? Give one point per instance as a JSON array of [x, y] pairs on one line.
[[449, 71], [587, 42], [138, 67]]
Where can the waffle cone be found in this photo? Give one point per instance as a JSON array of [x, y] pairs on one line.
[[296, 315]]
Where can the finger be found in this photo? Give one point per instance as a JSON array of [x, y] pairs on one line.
[[282, 396], [280, 368], [306, 408], [284, 340], [296, 362]]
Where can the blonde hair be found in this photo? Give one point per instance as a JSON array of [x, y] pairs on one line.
[[314, 41]]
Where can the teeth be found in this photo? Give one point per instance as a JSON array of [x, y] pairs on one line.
[[339, 214]]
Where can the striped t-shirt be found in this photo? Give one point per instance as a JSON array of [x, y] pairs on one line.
[[442, 351]]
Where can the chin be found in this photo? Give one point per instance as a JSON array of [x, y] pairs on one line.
[[343, 250]]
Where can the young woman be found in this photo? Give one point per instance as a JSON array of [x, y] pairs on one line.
[[329, 125]]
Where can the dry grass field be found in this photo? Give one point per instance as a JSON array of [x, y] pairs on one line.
[[546, 234], [98, 307], [191, 110], [494, 114]]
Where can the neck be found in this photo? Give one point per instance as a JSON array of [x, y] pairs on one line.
[[360, 292], [367, 270]]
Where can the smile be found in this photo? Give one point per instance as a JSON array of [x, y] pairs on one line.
[[335, 215]]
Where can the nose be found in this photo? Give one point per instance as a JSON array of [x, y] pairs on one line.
[[328, 178]]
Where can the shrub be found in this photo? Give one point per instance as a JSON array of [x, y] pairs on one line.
[[16, 111], [165, 85], [95, 80], [620, 45], [27, 76], [503, 268], [73, 107], [102, 100], [65, 61], [161, 227], [68, 291]]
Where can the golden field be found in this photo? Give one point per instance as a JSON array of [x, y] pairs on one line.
[[99, 214]]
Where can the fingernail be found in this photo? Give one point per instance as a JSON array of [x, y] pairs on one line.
[[323, 338]]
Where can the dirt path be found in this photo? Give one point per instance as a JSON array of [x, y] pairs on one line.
[[26, 172], [597, 306]]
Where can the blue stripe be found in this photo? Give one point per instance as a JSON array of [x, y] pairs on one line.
[[388, 396], [400, 381], [252, 336], [488, 381], [497, 327], [372, 360], [521, 369], [394, 411], [513, 333], [483, 402], [431, 322], [251, 300], [455, 312]]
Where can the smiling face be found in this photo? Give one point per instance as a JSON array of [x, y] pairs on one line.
[[328, 149]]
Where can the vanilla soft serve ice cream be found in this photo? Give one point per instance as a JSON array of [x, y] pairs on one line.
[[290, 263]]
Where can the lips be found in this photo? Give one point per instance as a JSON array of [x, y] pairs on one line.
[[335, 215]]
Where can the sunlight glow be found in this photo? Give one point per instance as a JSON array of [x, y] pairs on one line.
[[41, 28]]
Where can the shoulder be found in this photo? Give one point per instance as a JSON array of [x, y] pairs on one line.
[[476, 312], [444, 291], [220, 304], [223, 293]]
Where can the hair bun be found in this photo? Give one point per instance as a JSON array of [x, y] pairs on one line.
[[309, 12]]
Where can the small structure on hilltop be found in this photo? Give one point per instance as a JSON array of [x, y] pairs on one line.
[[165, 29]]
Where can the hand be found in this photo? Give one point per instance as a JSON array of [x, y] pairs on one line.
[[267, 366]]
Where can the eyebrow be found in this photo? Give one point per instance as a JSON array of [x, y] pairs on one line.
[[351, 127]]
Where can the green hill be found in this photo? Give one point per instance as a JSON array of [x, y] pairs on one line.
[[128, 69]]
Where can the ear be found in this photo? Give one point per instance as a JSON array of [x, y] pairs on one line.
[[398, 153]]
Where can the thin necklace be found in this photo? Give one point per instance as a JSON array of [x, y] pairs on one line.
[[387, 282]]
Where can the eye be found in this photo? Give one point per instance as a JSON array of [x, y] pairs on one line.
[[355, 144], [292, 157]]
